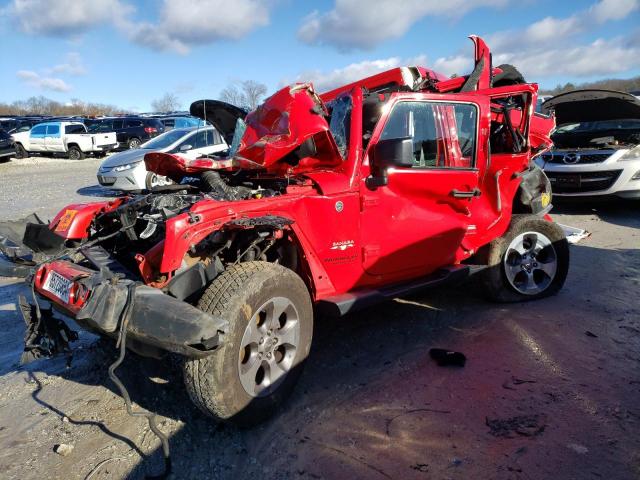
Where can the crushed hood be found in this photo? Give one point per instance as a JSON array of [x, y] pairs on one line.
[[222, 115], [592, 105], [288, 133]]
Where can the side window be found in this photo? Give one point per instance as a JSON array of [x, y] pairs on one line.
[[104, 127], [443, 134], [199, 140], [38, 130], [118, 124], [133, 123], [74, 129], [53, 130]]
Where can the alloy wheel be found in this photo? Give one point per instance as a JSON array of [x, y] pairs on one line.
[[530, 263], [269, 346]]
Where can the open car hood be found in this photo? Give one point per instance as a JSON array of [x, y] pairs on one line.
[[288, 133], [222, 115], [592, 105]]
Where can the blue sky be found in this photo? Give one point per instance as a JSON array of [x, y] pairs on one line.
[[129, 53]]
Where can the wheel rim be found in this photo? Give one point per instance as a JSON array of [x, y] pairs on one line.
[[73, 154], [158, 181], [269, 346], [530, 263], [134, 143]]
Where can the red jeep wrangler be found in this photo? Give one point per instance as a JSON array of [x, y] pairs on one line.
[[329, 203]]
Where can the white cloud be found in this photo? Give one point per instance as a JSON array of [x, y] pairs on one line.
[[602, 57], [35, 80], [186, 23], [72, 65], [181, 24], [364, 24], [547, 47], [65, 17], [606, 10], [324, 81]]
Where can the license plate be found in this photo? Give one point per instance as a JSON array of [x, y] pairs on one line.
[[568, 180], [59, 286]]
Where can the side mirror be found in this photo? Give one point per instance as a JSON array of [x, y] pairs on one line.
[[394, 152], [184, 148]]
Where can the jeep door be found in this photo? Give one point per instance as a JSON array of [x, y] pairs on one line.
[[417, 222]]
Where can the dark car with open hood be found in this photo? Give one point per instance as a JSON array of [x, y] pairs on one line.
[[596, 144]]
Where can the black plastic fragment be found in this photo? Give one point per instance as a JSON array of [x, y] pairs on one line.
[[446, 358]]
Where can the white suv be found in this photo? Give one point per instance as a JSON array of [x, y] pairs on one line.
[[596, 144]]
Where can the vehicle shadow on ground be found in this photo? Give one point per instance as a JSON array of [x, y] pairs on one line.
[[98, 191], [612, 210], [350, 355]]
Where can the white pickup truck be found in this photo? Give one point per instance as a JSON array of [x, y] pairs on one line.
[[70, 138]]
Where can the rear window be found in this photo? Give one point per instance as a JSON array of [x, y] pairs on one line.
[[154, 123], [74, 129]]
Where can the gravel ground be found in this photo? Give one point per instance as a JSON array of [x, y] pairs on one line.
[[550, 388]]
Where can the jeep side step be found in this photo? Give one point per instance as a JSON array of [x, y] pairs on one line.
[[339, 305]]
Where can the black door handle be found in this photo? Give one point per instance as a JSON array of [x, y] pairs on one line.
[[466, 193]]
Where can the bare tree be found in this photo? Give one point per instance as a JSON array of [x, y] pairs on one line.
[[45, 106], [247, 94], [167, 103], [232, 95]]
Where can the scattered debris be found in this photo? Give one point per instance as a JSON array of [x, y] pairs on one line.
[[581, 449], [63, 449], [525, 425], [574, 235], [447, 357], [590, 334], [518, 381], [421, 467]]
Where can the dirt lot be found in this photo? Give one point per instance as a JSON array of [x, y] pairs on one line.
[[551, 389]]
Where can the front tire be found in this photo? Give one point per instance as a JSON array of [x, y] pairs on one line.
[[21, 152], [530, 261], [261, 357], [154, 180]]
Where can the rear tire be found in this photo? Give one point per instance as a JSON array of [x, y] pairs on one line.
[[134, 143], [75, 153], [247, 378], [530, 261]]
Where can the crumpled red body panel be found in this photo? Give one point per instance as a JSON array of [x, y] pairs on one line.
[[274, 130], [282, 123]]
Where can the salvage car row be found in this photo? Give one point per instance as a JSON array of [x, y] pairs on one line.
[[76, 137]]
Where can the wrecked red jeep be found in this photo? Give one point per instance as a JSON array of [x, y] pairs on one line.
[[325, 203]]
